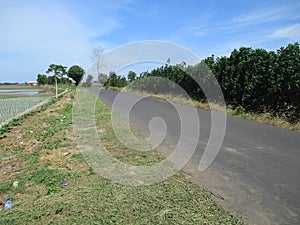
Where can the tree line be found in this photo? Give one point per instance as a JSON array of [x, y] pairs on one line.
[[61, 75], [255, 80]]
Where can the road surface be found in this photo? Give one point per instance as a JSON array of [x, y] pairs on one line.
[[257, 171]]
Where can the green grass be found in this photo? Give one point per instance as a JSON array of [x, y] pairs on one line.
[[16, 121], [20, 86], [39, 166], [12, 107]]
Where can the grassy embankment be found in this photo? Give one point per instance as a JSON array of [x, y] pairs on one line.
[[32, 153]]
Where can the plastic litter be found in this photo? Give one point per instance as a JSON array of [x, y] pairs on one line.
[[8, 204], [67, 153], [15, 184], [64, 183]]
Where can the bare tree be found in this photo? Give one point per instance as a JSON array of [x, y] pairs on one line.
[[98, 58], [168, 61]]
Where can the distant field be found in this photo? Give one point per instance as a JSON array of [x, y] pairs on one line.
[[11, 107], [10, 87], [14, 91]]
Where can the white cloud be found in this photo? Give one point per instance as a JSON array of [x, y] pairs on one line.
[[35, 34], [262, 16], [37, 29], [243, 21], [291, 32]]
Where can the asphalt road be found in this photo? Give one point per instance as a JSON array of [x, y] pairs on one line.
[[256, 173]]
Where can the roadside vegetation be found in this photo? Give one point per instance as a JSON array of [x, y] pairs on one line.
[[257, 84], [239, 112], [40, 153]]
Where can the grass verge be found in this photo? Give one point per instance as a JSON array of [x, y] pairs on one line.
[[33, 154], [238, 112]]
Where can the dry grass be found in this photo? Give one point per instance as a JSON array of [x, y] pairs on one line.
[[266, 118]]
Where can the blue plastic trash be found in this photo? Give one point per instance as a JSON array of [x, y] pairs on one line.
[[8, 204], [64, 183]]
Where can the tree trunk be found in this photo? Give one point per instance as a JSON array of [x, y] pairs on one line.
[[56, 94]]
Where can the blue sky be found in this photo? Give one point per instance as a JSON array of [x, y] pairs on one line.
[[35, 34]]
